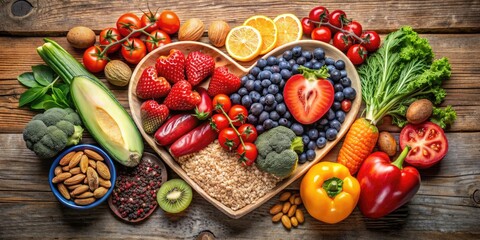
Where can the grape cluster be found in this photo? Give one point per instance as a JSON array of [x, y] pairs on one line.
[[262, 94]]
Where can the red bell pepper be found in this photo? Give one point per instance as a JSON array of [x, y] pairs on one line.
[[386, 186]]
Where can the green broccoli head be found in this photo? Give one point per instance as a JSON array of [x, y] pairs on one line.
[[277, 151], [50, 132]]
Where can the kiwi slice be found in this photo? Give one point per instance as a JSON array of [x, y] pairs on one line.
[[174, 196]]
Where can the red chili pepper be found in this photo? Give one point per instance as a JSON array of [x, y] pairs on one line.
[[205, 108], [194, 141], [386, 186], [175, 127]]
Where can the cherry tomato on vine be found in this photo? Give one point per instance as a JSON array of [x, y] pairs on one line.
[[238, 114], [318, 14], [307, 26], [337, 18], [322, 33], [223, 100], [150, 18], [371, 40], [133, 50], [354, 27], [248, 132], [110, 35], [93, 61], [127, 23], [228, 139], [248, 153], [219, 122], [157, 39], [357, 54], [169, 22], [342, 42], [346, 105]]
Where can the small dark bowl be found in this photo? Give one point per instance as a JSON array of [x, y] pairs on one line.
[[69, 203]]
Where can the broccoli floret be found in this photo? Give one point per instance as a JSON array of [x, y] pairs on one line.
[[277, 151], [50, 132]]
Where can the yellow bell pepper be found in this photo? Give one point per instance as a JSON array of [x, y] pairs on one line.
[[329, 192]]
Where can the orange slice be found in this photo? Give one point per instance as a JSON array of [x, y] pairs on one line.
[[289, 28], [267, 29], [244, 43]]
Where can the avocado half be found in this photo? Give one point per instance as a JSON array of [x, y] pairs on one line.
[[107, 121]]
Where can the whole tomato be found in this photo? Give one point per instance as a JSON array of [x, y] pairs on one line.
[[371, 40], [169, 22], [238, 114], [248, 132], [248, 153], [219, 122], [322, 33], [133, 50], [127, 23], [149, 18], [357, 54], [307, 26], [93, 61], [342, 42], [318, 14], [337, 18], [157, 39], [228, 139], [110, 35], [354, 27], [223, 100]]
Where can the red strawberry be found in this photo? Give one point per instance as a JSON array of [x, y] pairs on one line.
[[172, 66], [308, 95], [181, 97], [198, 67], [223, 82], [151, 86], [153, 115]]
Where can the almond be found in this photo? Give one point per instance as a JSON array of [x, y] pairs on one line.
[[75, 171], [72, 187], [92, 164], [93, 155], [286, 222], [63, 190], [298, 200], [276, 209], [285, 196], [58, 170], [217, 33], [84, 201], [103, 171], [104, 183], [61, 177], [277, 217], [299, 215], [292, 210], [66, 159], [85, 195], [65, 168], [75, 179], [191, 30], [99, 192], [286, 207], [294, 221], [92, 178], [292, 199], [79, 190], [75, 159], [84, 164]]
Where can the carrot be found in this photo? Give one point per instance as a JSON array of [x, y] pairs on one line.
[[358, 144]]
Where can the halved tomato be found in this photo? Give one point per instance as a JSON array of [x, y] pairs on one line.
[[428, 142]]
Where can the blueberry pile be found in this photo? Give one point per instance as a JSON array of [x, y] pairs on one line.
[[262, 94]]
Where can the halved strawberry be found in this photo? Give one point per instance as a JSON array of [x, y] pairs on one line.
[[198, 67], [151, 86], [308, 96], [181, 97], [172, 66], [153, 115], [223, 82]]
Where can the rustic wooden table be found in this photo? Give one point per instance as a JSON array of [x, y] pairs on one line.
[[447, 205]]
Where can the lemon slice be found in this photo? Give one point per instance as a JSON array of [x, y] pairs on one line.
[[244, 43], [267, 29], [289, 28]]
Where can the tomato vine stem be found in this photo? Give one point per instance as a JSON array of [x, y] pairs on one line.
[[142, 30]]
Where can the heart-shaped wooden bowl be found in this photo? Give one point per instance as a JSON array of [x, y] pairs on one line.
[[221, 59]]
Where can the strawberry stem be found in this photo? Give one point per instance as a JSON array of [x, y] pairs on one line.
[[313, 75], [219, 106]]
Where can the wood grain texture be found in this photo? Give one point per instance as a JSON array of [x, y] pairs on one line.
[[48, 17]]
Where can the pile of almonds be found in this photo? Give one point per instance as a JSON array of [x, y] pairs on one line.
[[82, 176], [288, 210]]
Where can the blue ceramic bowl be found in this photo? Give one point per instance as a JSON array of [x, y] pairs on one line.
[[69, 203]]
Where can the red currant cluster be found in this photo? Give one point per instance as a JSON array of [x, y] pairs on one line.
[[348, 35]]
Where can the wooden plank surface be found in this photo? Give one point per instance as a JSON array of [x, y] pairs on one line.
[[447, 205]]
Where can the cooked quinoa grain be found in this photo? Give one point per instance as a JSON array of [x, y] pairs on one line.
[[223, 177]]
